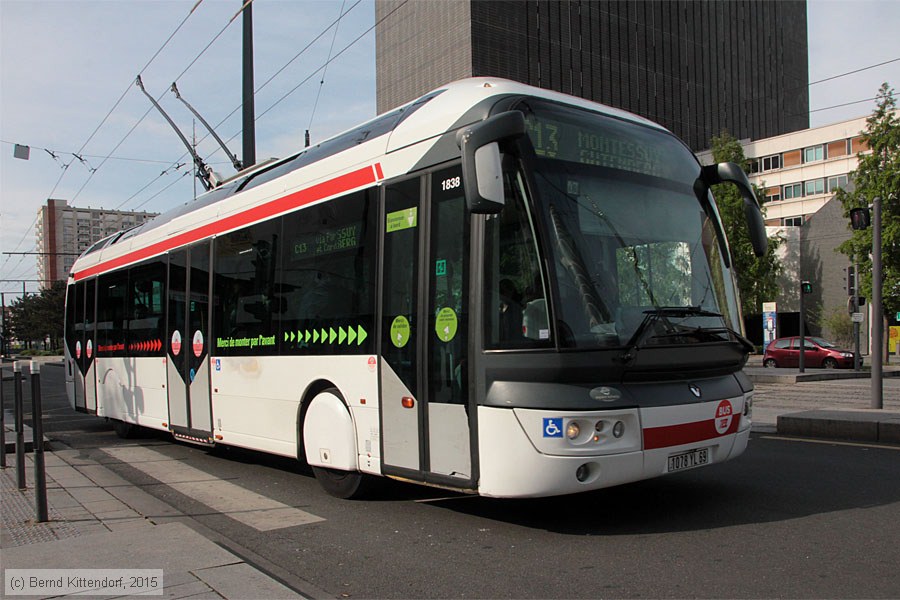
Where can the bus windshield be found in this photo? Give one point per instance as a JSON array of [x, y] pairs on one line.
[[628, 236]]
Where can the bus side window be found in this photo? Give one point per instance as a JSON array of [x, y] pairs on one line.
[[247, 314], [515, 302], [146, 309]]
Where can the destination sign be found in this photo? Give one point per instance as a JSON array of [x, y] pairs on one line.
[[598, 143], [326, 241]]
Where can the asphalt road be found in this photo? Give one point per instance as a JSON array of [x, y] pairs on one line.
[[790, 518]]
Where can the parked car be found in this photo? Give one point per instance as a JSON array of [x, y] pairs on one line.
[[785, 352]]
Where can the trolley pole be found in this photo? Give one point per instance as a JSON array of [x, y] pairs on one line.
[[37, 430], [20, 426]]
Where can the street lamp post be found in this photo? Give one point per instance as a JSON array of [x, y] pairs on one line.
[[805, 288], [859, 219], [877, 317]]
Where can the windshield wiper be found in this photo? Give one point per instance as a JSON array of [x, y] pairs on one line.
[[709, 333], [662, 313]]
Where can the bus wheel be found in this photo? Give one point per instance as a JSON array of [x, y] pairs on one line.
[[329, 441], [124, 430], [342, 484]]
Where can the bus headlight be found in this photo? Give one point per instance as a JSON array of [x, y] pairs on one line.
[[572, 430], [618, 429]]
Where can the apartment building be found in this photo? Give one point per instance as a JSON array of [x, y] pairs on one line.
[[800, 173], [63, 232]]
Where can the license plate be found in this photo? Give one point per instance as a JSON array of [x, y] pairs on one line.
[[689, 459]]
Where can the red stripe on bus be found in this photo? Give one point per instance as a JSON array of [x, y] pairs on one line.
[[355, 179], [685, 433], [378, 172]]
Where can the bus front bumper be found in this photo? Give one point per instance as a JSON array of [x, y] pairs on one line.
[[523, 455]]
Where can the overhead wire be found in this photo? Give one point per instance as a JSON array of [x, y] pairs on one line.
[[177, 78], [100, 125], [763, 98], [54, 154], [147, 185], [887, 62], [282, 68], [271, 77], [325, 72], [183, 175], [128, 88], [149, 110], [330, 60], [321, 68]]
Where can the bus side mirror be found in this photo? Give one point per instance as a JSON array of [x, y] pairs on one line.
[[730, 172], [481, 161]]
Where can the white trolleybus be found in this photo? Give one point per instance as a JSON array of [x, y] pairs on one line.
[[495, 288]]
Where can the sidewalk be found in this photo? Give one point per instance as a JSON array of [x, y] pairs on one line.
[[825, 403], [100, 521]]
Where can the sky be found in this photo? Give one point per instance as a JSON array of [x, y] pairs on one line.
[[67, 72]]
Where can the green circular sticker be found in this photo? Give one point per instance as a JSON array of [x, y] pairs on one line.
[[400, 331], [445, 325]]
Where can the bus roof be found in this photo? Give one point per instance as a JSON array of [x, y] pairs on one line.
[[386, 146]]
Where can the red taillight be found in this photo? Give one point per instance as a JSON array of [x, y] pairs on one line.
[[407, 402]]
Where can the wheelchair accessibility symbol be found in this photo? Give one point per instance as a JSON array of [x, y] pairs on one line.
[[553, 427]]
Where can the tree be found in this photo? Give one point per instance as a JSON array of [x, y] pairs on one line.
[[878, 174], [757, 277], [39, 316]]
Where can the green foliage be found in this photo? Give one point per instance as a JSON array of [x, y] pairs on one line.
[[840, 327], [38, 317], [757, 277], [878, 174]]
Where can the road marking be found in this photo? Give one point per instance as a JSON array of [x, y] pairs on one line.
[[250, 508], [829, 442]]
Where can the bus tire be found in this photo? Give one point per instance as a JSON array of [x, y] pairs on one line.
[[124, 430], [343, 484]]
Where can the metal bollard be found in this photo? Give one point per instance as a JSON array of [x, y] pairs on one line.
[[2, 424], [37, 429], [20, 426]]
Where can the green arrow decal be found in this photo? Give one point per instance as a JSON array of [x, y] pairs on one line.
[[332, 334], [351, 335], [323, 336], [285, 336], [361, 335], [307, 335], [342, 335], [315, 336]]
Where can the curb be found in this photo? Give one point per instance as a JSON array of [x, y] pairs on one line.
[[856, 425]]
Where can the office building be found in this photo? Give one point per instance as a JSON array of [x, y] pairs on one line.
[[696, 67]]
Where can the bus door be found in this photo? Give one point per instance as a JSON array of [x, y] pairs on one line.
[[84, 374], [427, 420], [187, 331]]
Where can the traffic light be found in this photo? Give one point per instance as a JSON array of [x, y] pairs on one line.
[[851, 281], [859, 218], [805, 287]]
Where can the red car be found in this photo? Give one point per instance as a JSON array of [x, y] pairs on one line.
[[785, 352]]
